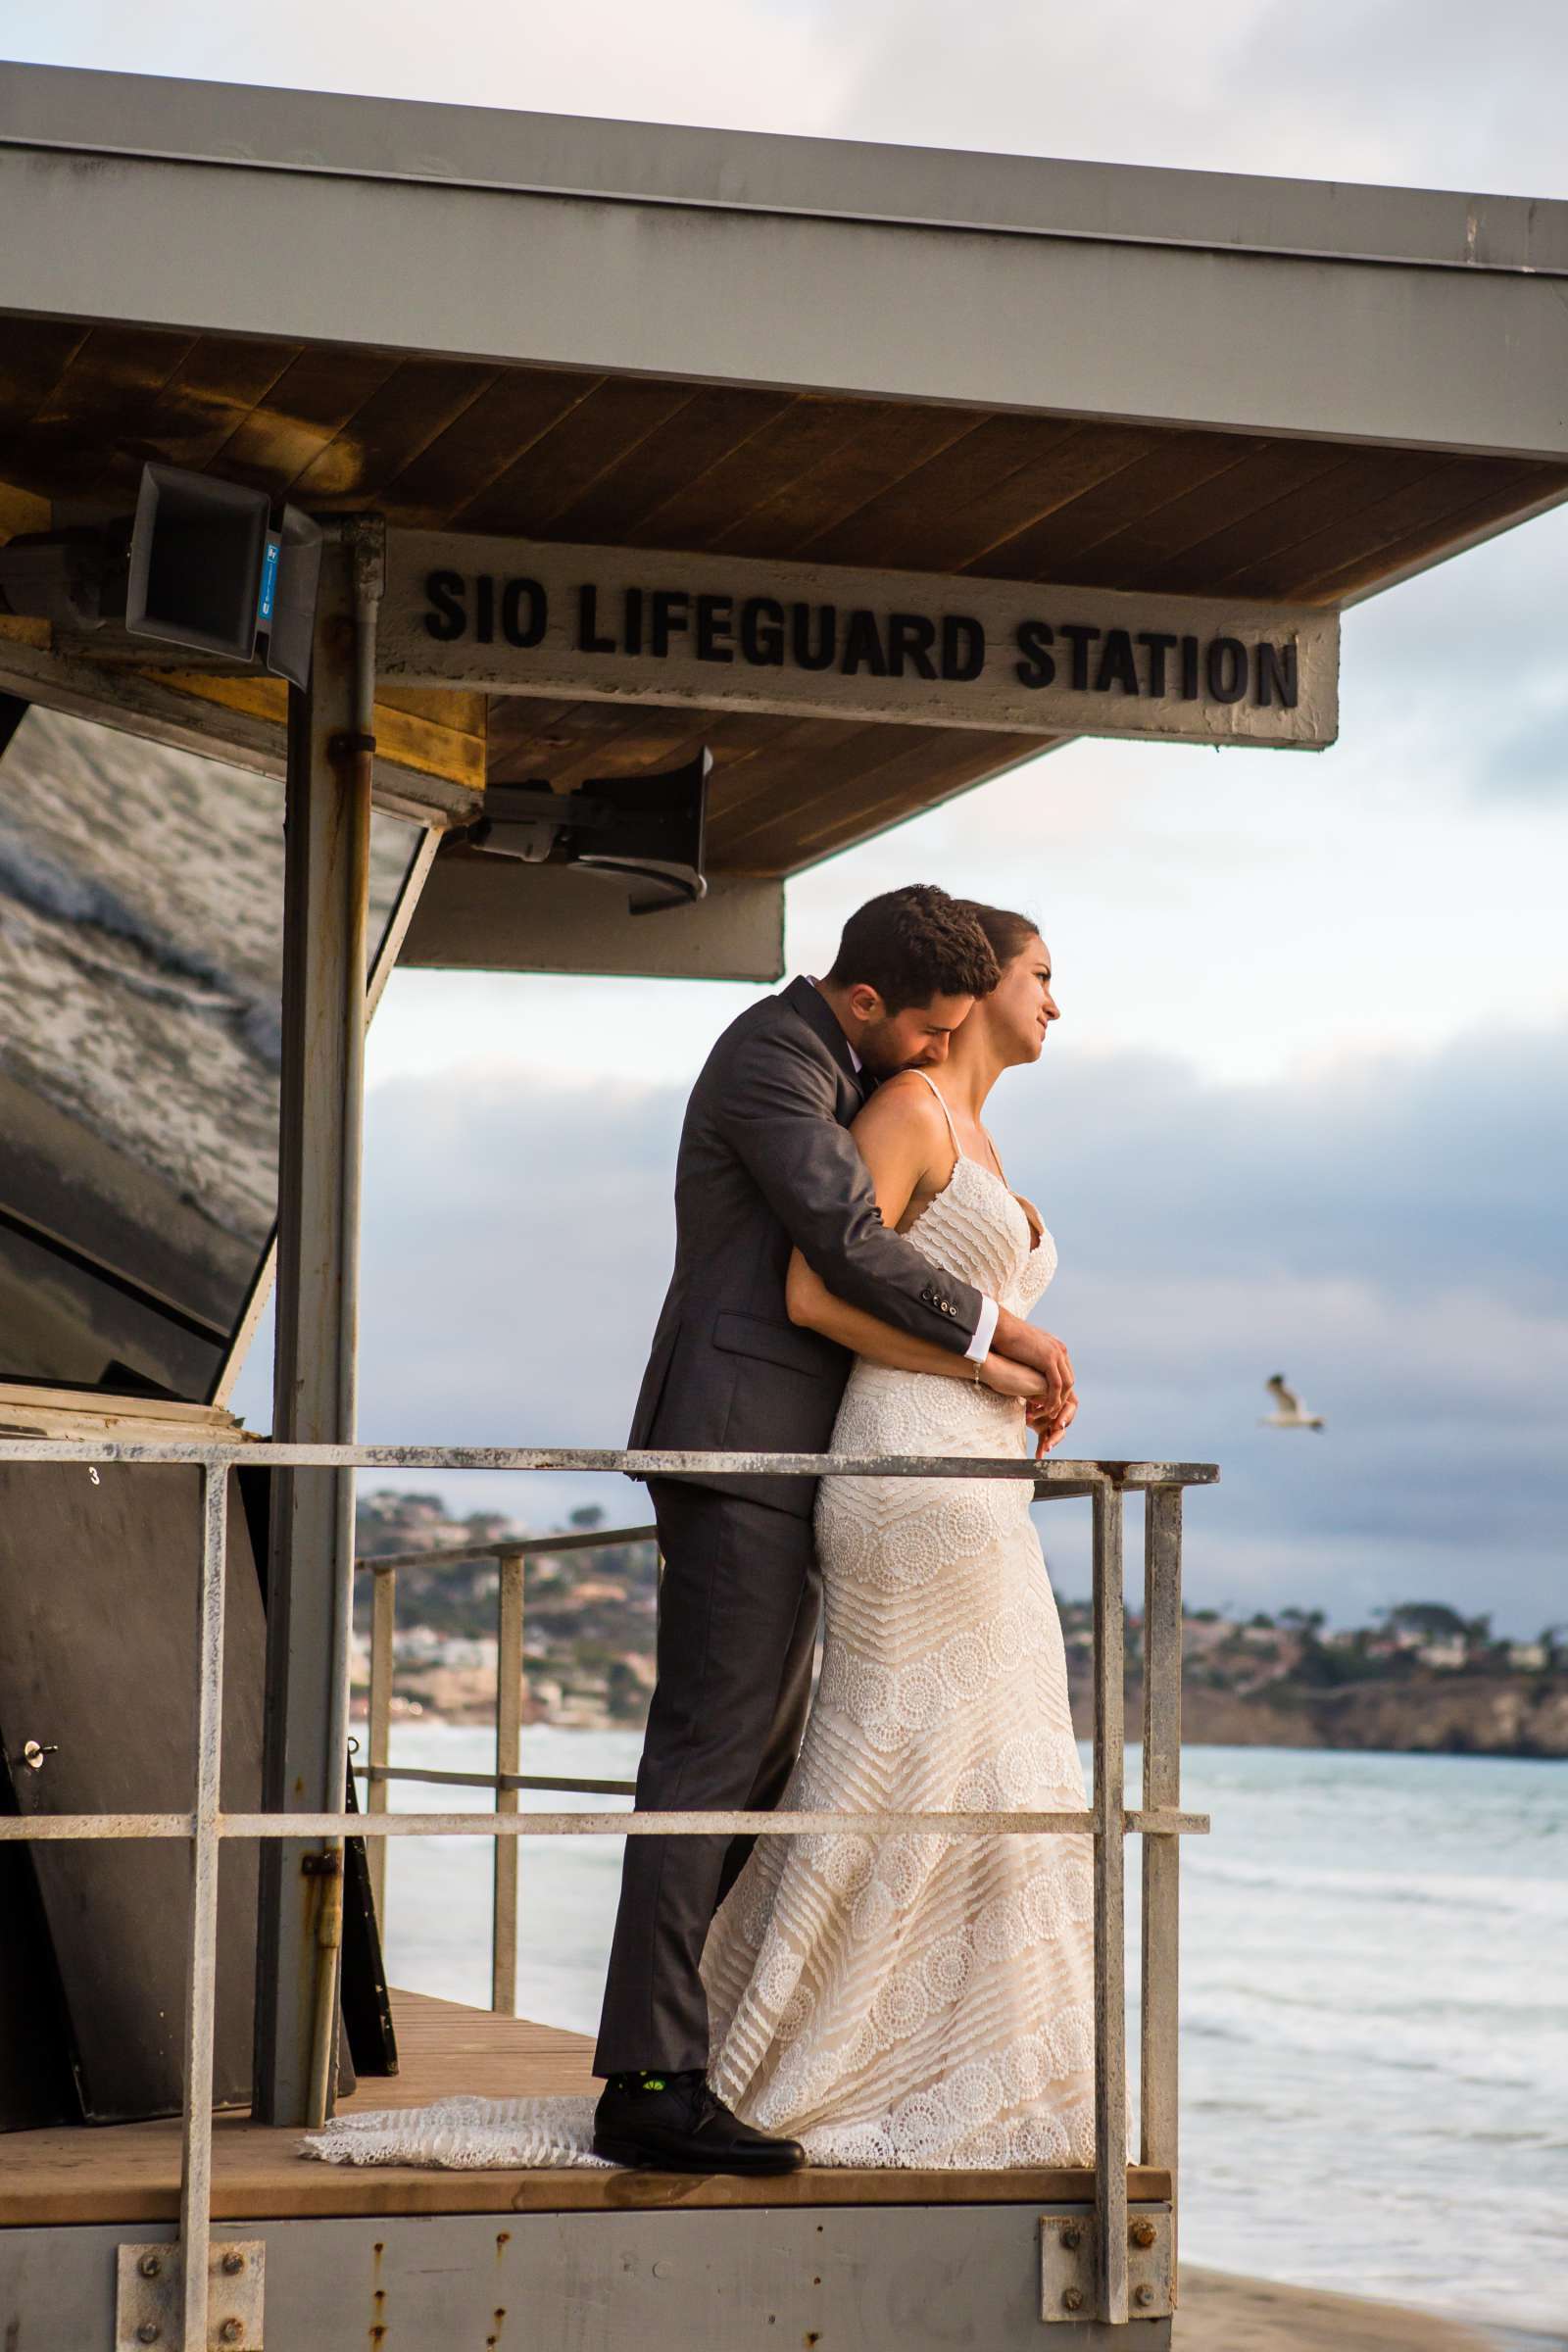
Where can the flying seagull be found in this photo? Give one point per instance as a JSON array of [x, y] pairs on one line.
[[1292, 1413]]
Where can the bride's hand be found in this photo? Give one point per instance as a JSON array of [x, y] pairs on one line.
[[1010, 1379], [1051, 1426]]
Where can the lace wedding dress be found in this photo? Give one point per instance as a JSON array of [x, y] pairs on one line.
[[922, 2000]]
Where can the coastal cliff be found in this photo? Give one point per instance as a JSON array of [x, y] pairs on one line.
[[1450, 1715], [1425, 1680]]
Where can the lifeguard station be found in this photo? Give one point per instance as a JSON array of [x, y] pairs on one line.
[[588, 449]]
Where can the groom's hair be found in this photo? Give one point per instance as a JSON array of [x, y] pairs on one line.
[[915, 944]]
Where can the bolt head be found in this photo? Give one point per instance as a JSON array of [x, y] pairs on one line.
[[151, 2266], [147, 2332], [1072, 2239], [231, 2332], [233, 2262], [1072, 2298], [1142, 2233], [1142, 2294]]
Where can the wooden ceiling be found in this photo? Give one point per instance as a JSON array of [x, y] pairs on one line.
[[641, 463]]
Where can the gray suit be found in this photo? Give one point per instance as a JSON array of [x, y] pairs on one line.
[[765, 1162]]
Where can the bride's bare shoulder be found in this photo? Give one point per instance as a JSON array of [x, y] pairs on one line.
[[907, 1094], [902, 1104]]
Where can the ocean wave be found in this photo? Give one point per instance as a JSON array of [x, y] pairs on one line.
[[1528, 1897]]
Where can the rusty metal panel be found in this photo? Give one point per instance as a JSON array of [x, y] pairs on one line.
[[883, 2278]]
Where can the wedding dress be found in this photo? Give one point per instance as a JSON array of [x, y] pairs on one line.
[[916, 2000], [924, 2000]]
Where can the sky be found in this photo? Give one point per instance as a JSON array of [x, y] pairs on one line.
[[1305, 1107]]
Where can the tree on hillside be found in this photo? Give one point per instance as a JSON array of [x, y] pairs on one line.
[[1432, 1619]]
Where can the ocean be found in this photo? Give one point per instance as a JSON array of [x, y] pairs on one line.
[[1375, 2034]]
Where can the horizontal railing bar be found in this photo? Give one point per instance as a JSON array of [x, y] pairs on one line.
[[497, 1779], [266, 1452], [1136, 1821], [51, 1827], [21, 1828], [600, 1539]]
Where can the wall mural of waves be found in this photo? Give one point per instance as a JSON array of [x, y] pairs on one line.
[[141, 912]]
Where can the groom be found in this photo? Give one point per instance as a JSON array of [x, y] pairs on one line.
[[765, 1162]]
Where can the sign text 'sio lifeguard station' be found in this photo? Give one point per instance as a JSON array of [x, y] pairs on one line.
[[585, 451]]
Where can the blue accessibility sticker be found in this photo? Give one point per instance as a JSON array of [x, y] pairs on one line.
[[264, 607]]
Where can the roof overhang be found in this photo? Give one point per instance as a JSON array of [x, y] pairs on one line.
[[1198, 299], [973, 368]]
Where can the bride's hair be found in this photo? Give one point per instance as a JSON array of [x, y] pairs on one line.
[[1006, 934]]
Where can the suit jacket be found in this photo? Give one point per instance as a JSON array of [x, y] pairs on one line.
[[766, 1161]]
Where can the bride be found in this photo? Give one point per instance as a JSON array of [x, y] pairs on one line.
[[926, 2000]]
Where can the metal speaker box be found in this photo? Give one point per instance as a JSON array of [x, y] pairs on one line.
[[208, 572], [197, 552]]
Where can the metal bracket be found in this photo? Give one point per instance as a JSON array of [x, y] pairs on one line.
[[1068, 2287], [147, 2296]]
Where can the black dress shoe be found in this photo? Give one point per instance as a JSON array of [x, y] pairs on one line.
[[685, 2128]]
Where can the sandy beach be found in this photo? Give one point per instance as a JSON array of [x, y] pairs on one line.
[[1221, 2313]]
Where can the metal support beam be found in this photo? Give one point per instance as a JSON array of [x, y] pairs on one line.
[[508, 1761], [1110, 1861], [387, 955], [383, 1620], [1161, 1857], [326, 871], [196, 2130]]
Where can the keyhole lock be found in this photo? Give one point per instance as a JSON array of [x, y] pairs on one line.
[[32, 1754]]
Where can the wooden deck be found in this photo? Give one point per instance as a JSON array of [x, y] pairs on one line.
[[130, 2171]]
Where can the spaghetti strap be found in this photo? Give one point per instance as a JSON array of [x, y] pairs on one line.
[[946, 1113]]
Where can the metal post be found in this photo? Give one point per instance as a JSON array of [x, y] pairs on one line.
[[390, 945], [326, 867], [383, 1617], [1162, 1782], [508, 1759], [196, 2149], [1110, 1990]]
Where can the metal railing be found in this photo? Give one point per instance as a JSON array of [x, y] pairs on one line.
[[1160, 1821], [507, 1778]]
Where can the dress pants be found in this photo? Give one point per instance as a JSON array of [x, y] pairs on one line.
[[737, 1627]]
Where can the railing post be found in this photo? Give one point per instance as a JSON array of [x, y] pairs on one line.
[[508, 1759], [1161, 1858], [1110, 1958], [201, 1973], [378, 1728]]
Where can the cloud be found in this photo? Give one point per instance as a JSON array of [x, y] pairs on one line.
[[1380, 90], [1389, 1236], [1352, 89]]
